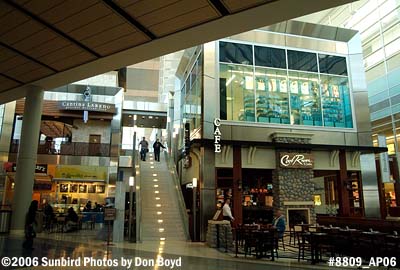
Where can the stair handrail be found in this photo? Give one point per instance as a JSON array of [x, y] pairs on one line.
[[138, 197], [181, 202]]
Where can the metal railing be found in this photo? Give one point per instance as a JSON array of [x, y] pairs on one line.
[[68, 148], [181, 202], [138, 198]]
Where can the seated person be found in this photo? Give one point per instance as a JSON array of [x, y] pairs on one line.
[[279, 223], [49, 215], [71, 220]]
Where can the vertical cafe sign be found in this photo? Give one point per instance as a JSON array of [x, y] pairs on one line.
[[217, 135]]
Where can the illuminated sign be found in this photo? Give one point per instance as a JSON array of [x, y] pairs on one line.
[[296, 160], [217, 135], [86, 106]]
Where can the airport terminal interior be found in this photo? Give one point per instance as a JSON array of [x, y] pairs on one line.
[[212, 134]]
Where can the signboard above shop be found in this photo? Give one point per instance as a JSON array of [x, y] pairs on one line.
[[296, 160], [12, 167], [86, 106]]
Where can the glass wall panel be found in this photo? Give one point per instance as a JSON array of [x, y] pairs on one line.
[[374, 58], [372, 46], [304, 61], [191, 96], [392, 33], [336, 102], [375, 72], [237, 86], [332, 64], [272, 103], [392, 47], [235, 53], [390, 19], [305, 99], [269, 57]]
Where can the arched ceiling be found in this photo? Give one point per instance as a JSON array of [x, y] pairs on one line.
[[49, 43]]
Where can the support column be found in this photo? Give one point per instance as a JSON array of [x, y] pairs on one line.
[[343, 193], [206, 189], [397, 181], [118, 225], [237, 182], [26, 161]]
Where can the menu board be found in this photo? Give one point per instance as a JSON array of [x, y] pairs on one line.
[[283, 86], [304, 88], [294, 87], [272, 85], [260, 84], [335, 90]]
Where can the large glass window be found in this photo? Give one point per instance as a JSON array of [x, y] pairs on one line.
[[269, 57], [272, 104], [237, 87], [235, 53], [332, 64], [191, 96], [336, 102], [266, 94], [305, 99], [304, 61]]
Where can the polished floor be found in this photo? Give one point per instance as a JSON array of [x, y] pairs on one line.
[[83, 245]]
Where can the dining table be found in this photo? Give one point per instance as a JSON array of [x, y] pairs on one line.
[[315, 239]]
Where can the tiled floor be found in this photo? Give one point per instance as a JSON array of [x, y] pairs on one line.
[[83, 244]]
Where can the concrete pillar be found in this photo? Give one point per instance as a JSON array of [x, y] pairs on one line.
[[26, 161], [119, 222], [206, 189]]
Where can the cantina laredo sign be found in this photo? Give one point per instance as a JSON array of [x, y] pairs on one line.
[[86, 106], [295, 160]]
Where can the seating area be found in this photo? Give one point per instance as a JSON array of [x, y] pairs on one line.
[[60, 224], [314, 243]]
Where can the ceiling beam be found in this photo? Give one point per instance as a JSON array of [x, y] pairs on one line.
[[28, 57], [11, 78], [52, 28], [219, 6], [239, 22], [117, 9]]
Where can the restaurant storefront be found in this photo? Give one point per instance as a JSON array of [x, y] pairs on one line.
[[280, 130]]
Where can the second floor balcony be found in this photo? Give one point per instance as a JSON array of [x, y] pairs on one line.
[[68, 148]]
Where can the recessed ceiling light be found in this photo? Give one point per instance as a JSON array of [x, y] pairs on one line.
[[158, 205], [130, 116], [143, 117], [150, 117], [156, 117], [159, 213]]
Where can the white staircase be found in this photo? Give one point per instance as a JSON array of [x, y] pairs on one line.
[[168, 223]]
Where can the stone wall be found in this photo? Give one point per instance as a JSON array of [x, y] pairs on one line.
[[219, 233], [82, 131], [293, 186]]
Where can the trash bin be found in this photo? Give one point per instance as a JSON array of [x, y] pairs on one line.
[[5, 221]]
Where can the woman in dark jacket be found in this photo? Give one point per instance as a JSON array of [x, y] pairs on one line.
[[30, 222]]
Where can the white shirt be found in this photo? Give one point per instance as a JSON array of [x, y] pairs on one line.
[[226, 211]]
